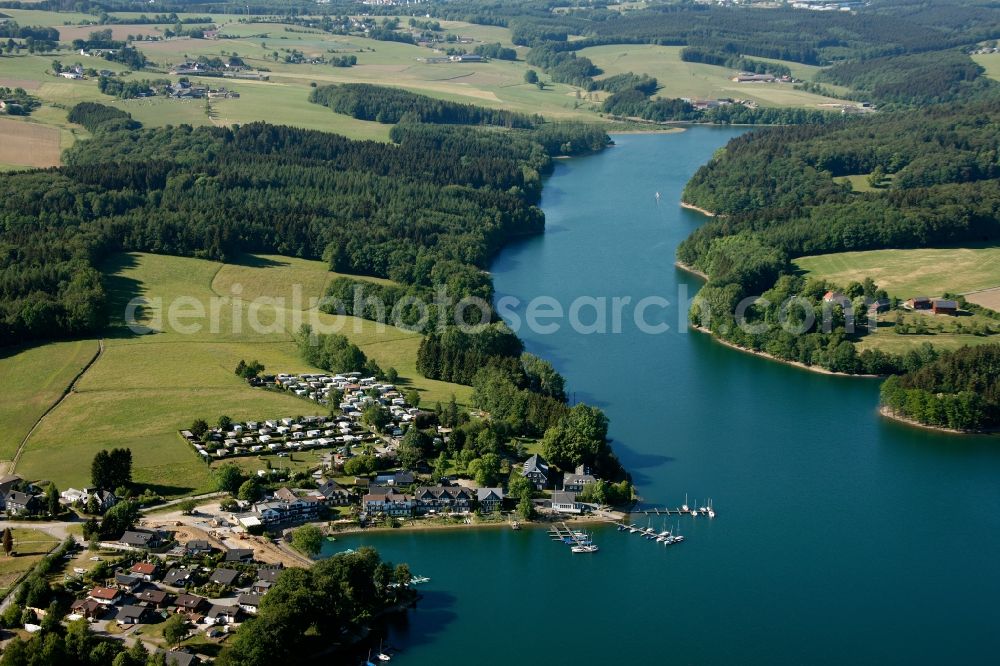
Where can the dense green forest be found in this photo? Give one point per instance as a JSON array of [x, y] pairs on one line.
[[383, 104], [960, 390], [921, 78], [433, 207], [777, 199]]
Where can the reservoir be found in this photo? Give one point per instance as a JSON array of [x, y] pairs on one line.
[[840, 538]]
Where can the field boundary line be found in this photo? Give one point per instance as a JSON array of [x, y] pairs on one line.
[[68, 390]]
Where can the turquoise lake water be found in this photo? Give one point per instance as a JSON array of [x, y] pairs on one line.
[[840, 537]]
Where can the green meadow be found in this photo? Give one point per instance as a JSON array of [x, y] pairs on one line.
[[147, 386], [907, 273], [696, 80]]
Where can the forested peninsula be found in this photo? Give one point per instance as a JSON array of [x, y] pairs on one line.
[[777, 198]]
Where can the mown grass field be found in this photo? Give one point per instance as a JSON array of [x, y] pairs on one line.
[[29, 144], [907, 273], [990, 62], [900, 344], [33, 380], [685, 79], [146, 387], [30, 546]]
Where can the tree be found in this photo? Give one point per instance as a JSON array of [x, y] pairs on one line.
[[175, 629], [225, 423], [360, 465], [392, 375], [8, 541], [119, 519], [308, 540], [412, 447], [375, 416], [526, 508], [250, 491], [52, 500], [187, 507], [199, 428], [531, 77], [228, 478], [412, 397], [111, 469]]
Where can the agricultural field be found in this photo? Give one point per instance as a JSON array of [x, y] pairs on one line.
[[30, 546], [860, 183], [990, 62], [907, 273], [145, 387], [28, 144], [696, 80], [34, 379]]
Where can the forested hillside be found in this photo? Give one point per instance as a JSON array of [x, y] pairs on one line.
[[432, 208], [776, 197], [960, 390], [392, 105]]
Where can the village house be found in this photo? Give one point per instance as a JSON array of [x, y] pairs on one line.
[[107, 596], [226, 577], [490, 499], [177, 577], [155, 598], [390, 504], [88, 608], [148, 571], [222, 614], [576, 480], [564, 502], [132, 615], [536, 471], [127, 582], [197, 547], [433, 499], [18, 503], [190, 603], [249, 603], [179, 658], [143, 539], [238, 555], [334, 493]]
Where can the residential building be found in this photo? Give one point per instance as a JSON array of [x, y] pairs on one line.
[[442, 498], [225, 577], [536, 470], [177, 577], [564, 502], [576, 480], [944, 306], [132, 615], [490, 499], [190, 603], [107, 596], [249, 603], [141, 539], [148, 571], [20, 503]]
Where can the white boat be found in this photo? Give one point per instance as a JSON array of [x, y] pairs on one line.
[[416, 580], [591, 548], [383, 657], [684, 507]]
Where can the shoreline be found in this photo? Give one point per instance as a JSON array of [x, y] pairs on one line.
[[885, 412], [691, 269], [771, 357], [419, 526], [699, 209]]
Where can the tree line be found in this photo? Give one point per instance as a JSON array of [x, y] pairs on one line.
[[958, 390], [433, 207], [384, 104]]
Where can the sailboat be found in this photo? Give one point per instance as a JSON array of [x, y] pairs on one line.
[[382, 656], [657, 197], [684, 507], [711, 511]]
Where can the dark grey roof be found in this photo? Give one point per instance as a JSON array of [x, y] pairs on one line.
[[248, 600], [536, 464], [238, 554], [178, 658], [224, 576], [138, 538], [176, 576], [269, 574], [135, 612], [483, 494]]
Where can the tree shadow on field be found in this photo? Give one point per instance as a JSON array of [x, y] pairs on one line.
[[254, 261], [122, 307]]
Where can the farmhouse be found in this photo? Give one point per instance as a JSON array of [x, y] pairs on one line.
[[918, 303], [944, 306], [132, 615]]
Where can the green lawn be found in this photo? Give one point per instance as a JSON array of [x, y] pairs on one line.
[[685, 79], [30, 546], [889, 342], [907, 273], [860, 183], [146, 387], [991, 63], [34, 379]]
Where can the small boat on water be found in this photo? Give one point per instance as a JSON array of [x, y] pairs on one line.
[[417, 580], [588, 548], [684, 507]]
